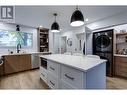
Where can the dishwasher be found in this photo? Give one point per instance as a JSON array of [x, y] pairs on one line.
[[35, 61]]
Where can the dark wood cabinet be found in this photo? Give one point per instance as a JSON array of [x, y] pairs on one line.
[[43, 34], [120, 66]]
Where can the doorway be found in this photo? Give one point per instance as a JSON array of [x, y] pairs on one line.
[[63, 44]]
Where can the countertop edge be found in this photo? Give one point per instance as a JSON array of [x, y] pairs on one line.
[[78, 68], [25, 53]]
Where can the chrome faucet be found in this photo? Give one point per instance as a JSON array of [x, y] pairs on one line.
[[18, 47]]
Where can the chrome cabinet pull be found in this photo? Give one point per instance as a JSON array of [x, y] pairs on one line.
[[44, 59], [52, 68], [69, 77], [52, 83], [42, 74]]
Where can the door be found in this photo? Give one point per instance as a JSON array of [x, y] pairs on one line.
[[63, 44], [56, 41]]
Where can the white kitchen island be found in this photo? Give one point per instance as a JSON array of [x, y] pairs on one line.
[[60, 71]]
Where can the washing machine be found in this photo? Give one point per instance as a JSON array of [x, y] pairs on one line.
[[103, 46]]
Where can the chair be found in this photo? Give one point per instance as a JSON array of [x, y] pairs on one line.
[[93, 56]]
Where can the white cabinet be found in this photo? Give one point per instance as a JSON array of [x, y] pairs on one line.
[[72, 76], [53, 81], [60, 76], [43, 74], [65, 85], [53, 68]]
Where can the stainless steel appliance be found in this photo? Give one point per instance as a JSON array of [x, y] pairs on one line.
[[103, 46]]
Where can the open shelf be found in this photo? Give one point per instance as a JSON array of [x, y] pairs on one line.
[[43, 40]]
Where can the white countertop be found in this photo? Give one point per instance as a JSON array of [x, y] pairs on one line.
[[120, 55], [24, 53], [79, 62]]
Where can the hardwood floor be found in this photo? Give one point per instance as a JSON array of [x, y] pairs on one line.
[[22, 80], [31, 80]]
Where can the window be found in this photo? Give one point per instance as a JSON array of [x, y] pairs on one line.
[[12, 38]]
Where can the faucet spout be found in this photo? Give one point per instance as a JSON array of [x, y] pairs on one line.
[[18, 47]]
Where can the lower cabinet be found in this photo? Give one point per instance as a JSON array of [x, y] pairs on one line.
[[16, 63], [65, 85], [120, 66], [72, 76], [59, 76], [53, 81], [43, 74]]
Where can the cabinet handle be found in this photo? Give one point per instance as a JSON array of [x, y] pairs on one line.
[[69, 77], [44, 59], [42, 74], [52, 83], [52, 68]]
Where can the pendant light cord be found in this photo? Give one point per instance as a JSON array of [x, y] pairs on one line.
[[77, 7], [55, 14]]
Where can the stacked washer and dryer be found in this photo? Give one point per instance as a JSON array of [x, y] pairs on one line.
[[103, 46]]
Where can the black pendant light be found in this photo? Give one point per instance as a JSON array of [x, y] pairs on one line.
[[77, 18], [55, 26]]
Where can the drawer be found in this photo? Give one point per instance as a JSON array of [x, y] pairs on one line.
[[53, 67], [43, 74], [121, 59], [52, 81], [64, 85], [72, 76]]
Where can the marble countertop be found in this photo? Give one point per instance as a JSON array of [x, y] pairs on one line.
[[120, 55], [82, 63], [24, 53]]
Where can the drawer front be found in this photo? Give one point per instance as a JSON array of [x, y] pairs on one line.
[[121, 66], [72, 76], [121, 59], [64, 85], [53, 67], [43, 74], [52, 81]]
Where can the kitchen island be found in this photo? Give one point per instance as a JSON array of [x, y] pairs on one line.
[[60, 71]]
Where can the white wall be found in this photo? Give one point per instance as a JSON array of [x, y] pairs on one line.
[[12, 27], [73, 34], [109, 21]]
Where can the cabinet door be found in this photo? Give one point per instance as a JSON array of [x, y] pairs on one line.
[[72, 76], [25, 62], [11, 64], [121, 66]]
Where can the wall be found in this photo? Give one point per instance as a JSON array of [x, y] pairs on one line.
[[109, 21], [12, 27], [74, 33]]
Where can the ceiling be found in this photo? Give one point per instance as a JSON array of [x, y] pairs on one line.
[[43, 15]]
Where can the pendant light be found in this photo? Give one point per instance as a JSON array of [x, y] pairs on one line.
[[77, 18], [55, 26]]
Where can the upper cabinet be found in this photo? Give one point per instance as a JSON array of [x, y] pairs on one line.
[[43, 40]]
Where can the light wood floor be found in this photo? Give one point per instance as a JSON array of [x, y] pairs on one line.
[[31, 80]]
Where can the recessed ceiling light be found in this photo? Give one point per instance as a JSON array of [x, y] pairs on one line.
[[86, 19]]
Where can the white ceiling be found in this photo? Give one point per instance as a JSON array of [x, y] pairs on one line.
[[43, 15]]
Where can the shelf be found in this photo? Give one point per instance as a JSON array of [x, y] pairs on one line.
[[43, 39], [121, 42], [43, 33], [117, 34]]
